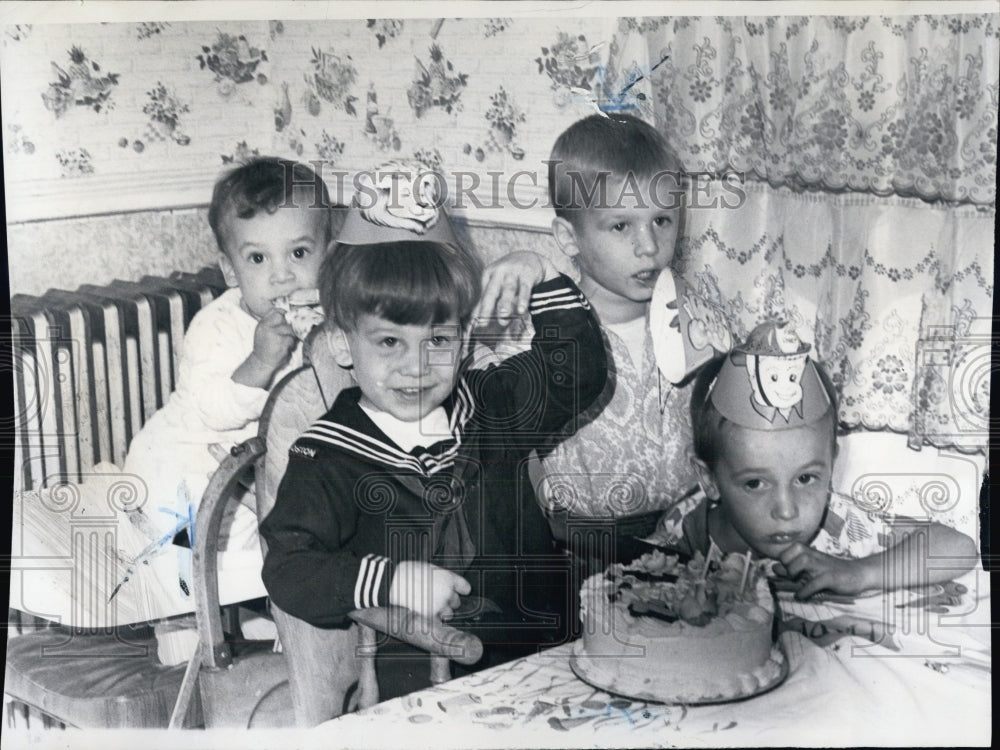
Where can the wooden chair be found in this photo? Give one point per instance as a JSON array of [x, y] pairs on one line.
[[94, 680], [321, 673], [92, 677]]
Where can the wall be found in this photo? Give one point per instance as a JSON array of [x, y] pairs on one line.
[[133, 121], [65, 253], [102, 118], [867, 144]]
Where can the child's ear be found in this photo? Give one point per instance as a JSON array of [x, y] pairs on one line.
[[341, 350], [705, 479], [565, 236], [228, 272]]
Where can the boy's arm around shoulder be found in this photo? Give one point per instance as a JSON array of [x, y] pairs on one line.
[[314, 568], [561, 375], [569, 343]]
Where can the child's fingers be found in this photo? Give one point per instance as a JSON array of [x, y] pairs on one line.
[[792, 552], [518, 288], [459, 584], [508, 300], [285, 329], [278, 320], [797, 567], [812, 586], [272, 318], [798, 561], [503, 287], [499, 298], [507, 285], [482, 311], [523, 297], [492, 289], [279, 327]]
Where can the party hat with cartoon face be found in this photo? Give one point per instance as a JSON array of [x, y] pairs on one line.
[[769, 382], [398, 201], [687, 329]]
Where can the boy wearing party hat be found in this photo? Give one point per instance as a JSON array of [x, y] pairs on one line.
[[764, 419], [405, 492]]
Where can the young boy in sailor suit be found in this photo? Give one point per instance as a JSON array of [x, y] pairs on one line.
[[406, 492]]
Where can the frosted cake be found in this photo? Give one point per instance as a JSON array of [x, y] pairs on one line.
[[664, 630]]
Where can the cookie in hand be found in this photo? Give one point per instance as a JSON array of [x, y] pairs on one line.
[[302, 310]]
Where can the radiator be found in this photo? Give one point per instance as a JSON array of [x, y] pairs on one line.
[[92, 365]]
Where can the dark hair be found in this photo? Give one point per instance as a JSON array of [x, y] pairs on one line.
[[707, 423], [617, 145], [266, 184], [407, 282]]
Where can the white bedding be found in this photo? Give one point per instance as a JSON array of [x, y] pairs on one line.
[[72, 545]]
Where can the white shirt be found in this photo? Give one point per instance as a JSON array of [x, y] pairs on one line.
[[408, 435], [633, 334]]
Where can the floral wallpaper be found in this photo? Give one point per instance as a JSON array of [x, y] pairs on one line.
[[105, 99], [81, 85], [888, 105], [866, 144]]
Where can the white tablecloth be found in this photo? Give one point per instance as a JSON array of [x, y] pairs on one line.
[[930, 685]]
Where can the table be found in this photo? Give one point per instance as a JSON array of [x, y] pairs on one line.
[[931, 687], [70, 547]]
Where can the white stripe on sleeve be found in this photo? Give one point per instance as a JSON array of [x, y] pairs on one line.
[[370, 575]]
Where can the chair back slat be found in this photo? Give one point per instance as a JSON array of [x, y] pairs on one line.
[[318, 685]]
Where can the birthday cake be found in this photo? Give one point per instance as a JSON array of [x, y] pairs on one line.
[[663, 630]]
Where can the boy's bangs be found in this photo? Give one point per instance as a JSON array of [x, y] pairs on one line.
[[413, 285], [264, 185], [412, 299]]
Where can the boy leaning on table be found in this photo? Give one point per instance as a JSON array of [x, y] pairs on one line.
[[406, 492], [765, 428], [765, 422]]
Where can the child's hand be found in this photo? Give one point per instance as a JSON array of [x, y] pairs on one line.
[[273, 343], [507, 285], [821, 572], [274, 340], [427, 589]]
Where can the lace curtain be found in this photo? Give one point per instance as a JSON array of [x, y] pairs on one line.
[[868, 150], [895, 295]]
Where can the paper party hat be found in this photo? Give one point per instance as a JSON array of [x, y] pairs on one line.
[[769, 382], [398, 201], [687, 329]]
